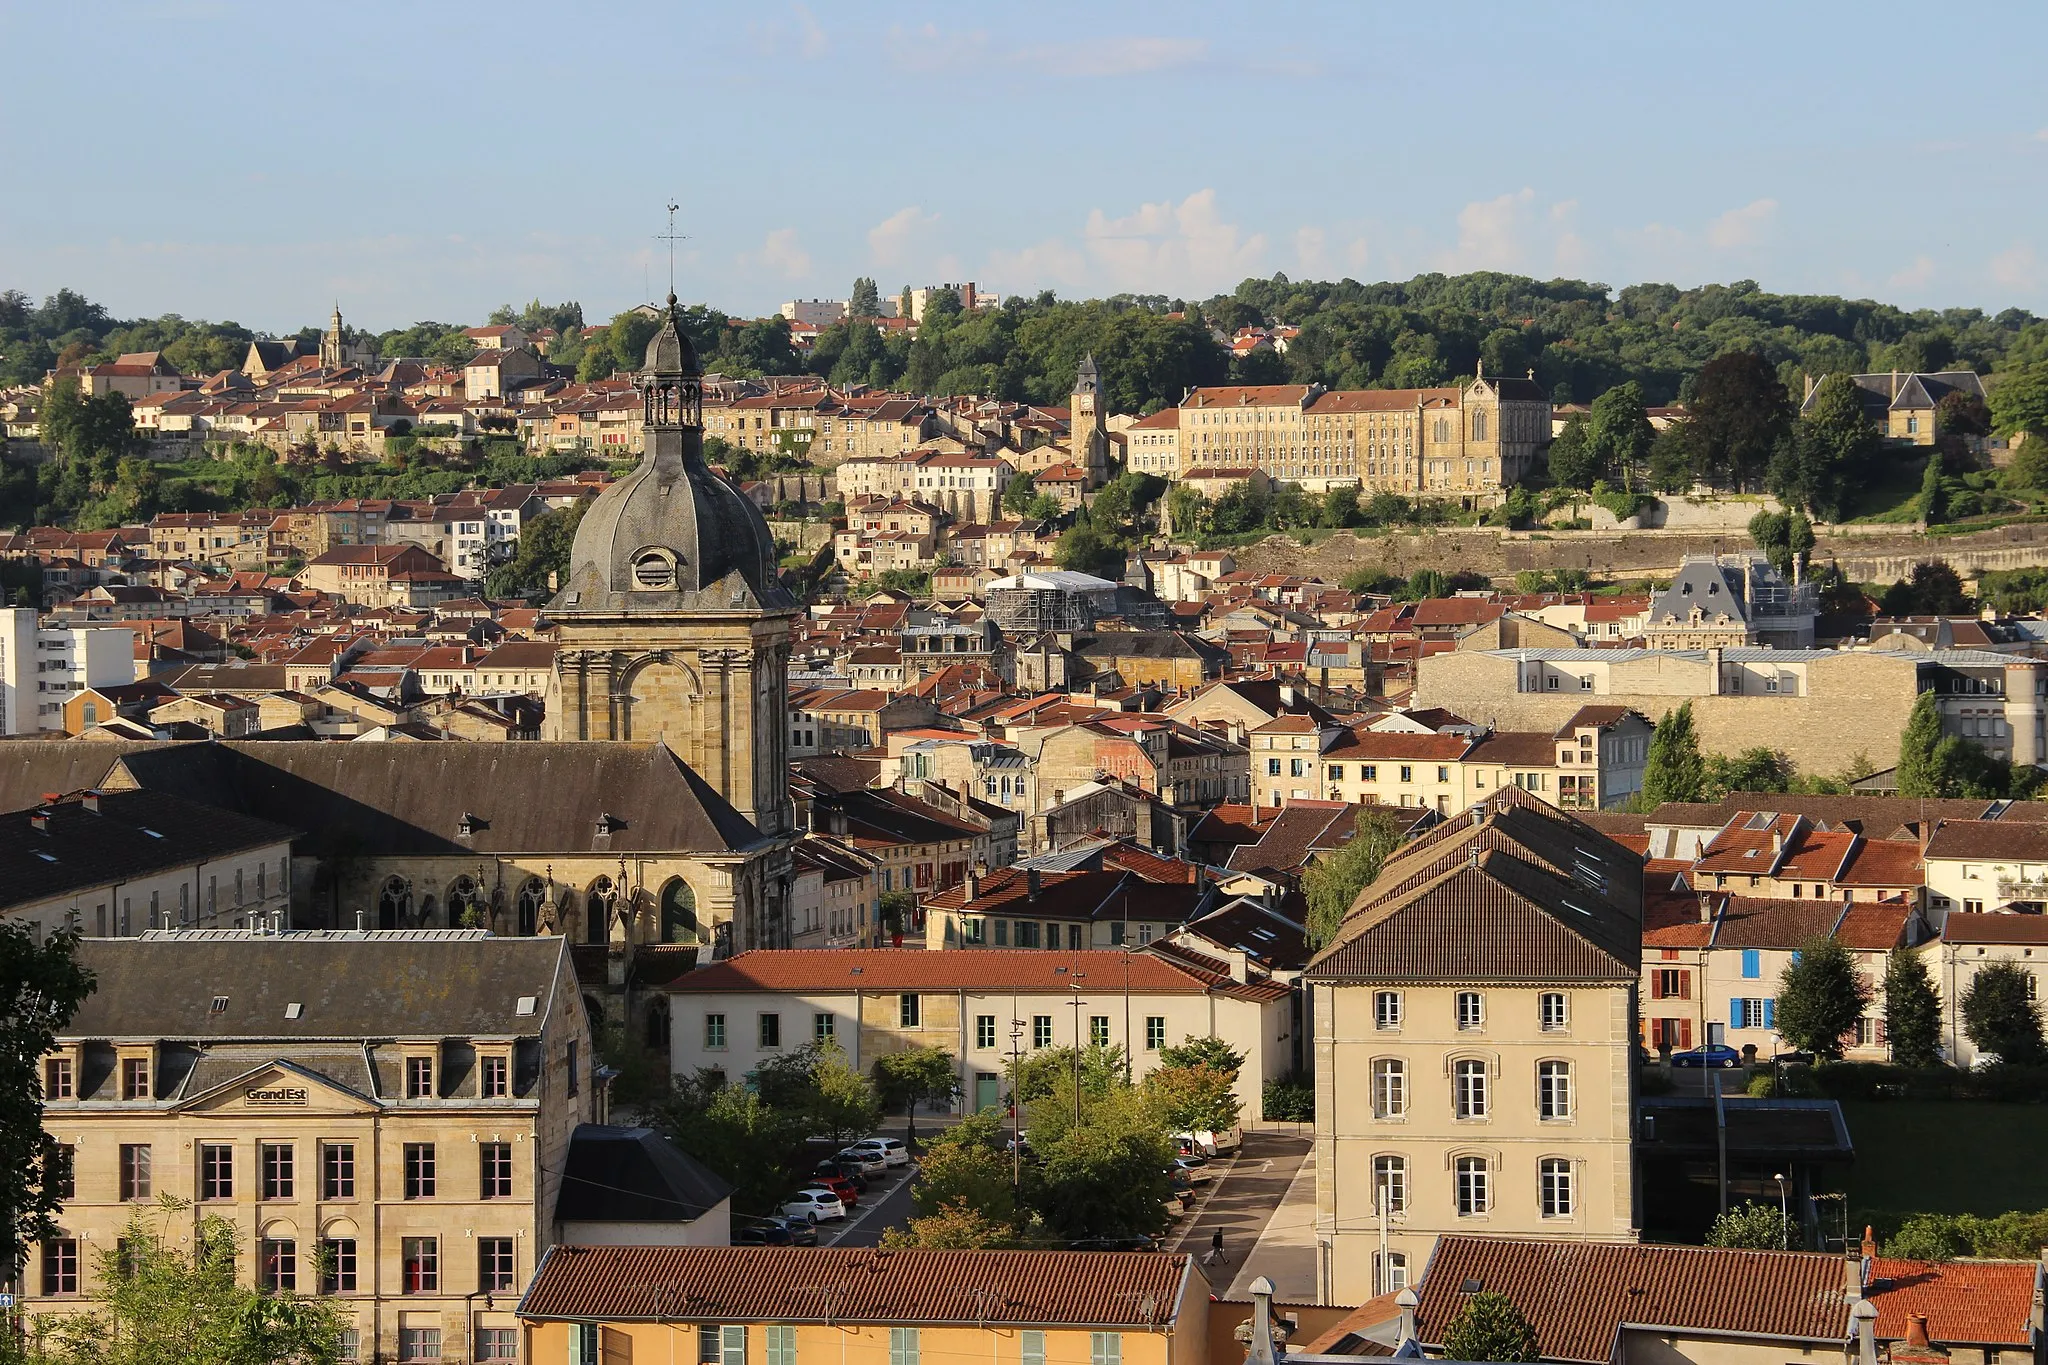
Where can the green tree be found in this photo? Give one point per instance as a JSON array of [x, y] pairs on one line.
[[955, 1225], [1751, 1227], [1105, 1176], [540, 562], [1738, 416], [921, 1075], [1673, 770], [1753, 770], [627, 336], [1933, 499], [159, 1301], [1194, 1099], [1017, 494], [1573, 461], [1919, 772], [1912, 1011], [2019, 401], [1209, 1051], [1821, 997], [1083, 549], [1488, 1326], [866, 301], [1931, 1237], [1831, 453], [41, 986], [970, 1164], [736, 1133], [1619, 434], [1999, 1015], [1335, 877], [1672, 466]]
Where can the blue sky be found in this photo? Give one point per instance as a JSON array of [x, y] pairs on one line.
[[254, 162]]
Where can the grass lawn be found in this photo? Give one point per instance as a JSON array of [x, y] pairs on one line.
[[1962, 1156]]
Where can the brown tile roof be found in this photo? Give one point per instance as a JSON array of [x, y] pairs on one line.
[[1754, 922], [1578, 1294], [1884, 862], [1877, 926], [842, 1285], [1990, 840], [1959, 927], [1600, 716], [918, 969], [1516, 748], [1376, 400]]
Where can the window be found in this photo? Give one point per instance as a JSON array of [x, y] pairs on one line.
[[135, 1078], [60, 1266], [338, 1266], [493, 1264], [1390, 1183], [781, 1345], [1105, 1348], [584, 1339], [1670, 983], [1389, 1088], [338, 1170], [902, 1346], [1031, 1348], [1272, 767], [1155, 1032], [1386, 1009], [1554, 1183], [1390, 1271], [216, 1170], [1468, 1087], [493, 1085], [350, 1346], [1752, 1012], [907, 1014], [714, 1032], [277, 1264], [1443, 774], [420, 1265], [57, 1079], [419, 1343], [1041, 1030], [64, 1171], [1554, 1090], [135, 1177], [1369, 772], [1552, 1013], [1335, 771], [419, 1078], [771, 1030], [1474, 1191], [278, 1169], [1752, 964], [1098, 1030], [572, 1067], [495, 1173], [1407, 773], [824, 1026], [497, 1343], [1471, 1010], [419, 1170]]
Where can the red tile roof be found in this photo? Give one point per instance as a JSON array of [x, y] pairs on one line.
[[1980, 1302], [849, 1285]]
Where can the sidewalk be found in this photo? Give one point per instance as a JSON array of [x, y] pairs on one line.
[[1265, 1205]]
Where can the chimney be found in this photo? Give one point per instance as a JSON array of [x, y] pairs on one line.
[[1916, 1332], [1407, 1302], [1031, 885], [1713, 670], [973, 886], [1259, 1350], [1863, 1322]]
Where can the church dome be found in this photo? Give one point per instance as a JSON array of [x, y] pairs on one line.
[[672, 536]]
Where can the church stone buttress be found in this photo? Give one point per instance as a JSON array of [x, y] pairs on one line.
[[673, 623]]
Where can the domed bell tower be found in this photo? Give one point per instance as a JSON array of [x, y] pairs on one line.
[[673, 622]]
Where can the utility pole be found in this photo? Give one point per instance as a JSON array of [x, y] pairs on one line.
[[1129, 1078], [1075, 984], [1715, 1033], [1016, 1075]]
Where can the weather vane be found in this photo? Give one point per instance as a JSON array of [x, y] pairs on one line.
[[671, 237]]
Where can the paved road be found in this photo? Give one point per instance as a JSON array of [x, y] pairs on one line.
[[882, 1206], [1264, 1203]]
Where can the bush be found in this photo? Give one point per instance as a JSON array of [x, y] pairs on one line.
[[1289, 1099]]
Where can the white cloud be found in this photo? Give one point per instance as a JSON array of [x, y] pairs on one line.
[[800, 36], [781, 252], [1356, 255], [1312, 251], [1051, 264], [895, 240], [1490, 232], [1742, 227], [1914, 275], [930, 48], [2017, 267], [1172, 248], [1113, 56], [2041, 136]]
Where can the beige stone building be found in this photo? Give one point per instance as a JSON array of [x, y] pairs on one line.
[[1475, 1024]]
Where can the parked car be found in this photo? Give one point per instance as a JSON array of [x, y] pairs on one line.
[[844, 1168], [1793, 1058], [870, 1162], [1197, 1169], [848, 1193], [768, 1232], [891, 1150], [1716, 1055], [802, 1232], [1132, 1243], [815, 1203]]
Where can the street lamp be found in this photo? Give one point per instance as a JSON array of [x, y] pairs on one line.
[[1784, 1215], [1074, 983], [1016, 1075]]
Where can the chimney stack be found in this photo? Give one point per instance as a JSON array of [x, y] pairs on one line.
[[1259, 1350], [1863, 1321], [1407, 1301], [973, 886], [1031, 885], [1916, 1332]]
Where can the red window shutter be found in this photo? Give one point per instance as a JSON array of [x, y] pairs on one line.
[[1656, 985], [1684, 1034], [1685, 985]]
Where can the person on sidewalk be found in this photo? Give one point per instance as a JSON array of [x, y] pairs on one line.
[[1215, 1255]]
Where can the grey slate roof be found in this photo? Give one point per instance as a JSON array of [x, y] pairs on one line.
[[129, 834], [633, 1175]]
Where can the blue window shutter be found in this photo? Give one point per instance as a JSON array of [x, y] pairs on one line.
[[1735, 1019], [1770, 1013], [1752, 964]]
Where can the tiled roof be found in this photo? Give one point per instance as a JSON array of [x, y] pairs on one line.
[[1990, 840], [917, 969], [1578, 1294], [849, 1285], [84, 841], [1980, 1302], [1959, 927], [1753, 922], [1884, 862]]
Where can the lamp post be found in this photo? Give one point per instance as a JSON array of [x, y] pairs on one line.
[[1016, 1074], [1784, 1215], [1074, 983]]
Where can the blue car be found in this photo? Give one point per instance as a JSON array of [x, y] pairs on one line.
[[1717, 1055]]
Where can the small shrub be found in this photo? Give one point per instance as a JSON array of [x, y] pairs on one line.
[[1289, 1099]]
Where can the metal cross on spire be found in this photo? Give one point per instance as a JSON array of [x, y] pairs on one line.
[[671, 237]]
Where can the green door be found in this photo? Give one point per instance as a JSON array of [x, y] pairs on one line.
[[987, 1090]]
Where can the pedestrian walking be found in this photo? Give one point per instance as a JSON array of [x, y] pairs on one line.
[[1216, 1255]]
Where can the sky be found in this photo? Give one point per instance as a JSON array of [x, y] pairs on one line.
[[258, 163]]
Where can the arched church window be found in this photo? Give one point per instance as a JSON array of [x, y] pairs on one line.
[[394, 904], [1478, 426], [656, 1026], [678, 912], [468, 906], [598, 908], [532, 896]]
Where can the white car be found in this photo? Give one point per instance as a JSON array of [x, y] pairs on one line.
[[814, 1205], [890, 1149], [870, 1159], [1197, 1169]]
